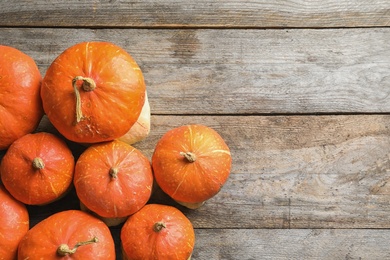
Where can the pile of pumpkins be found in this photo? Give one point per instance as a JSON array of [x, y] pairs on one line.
[[94, 94]]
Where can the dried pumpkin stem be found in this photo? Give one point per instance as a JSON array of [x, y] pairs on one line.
[[64, 249], [191, 157], [113, 172], [38, 163], [88, 85], [158, 226]]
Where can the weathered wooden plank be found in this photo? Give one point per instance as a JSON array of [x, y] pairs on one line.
[[311, 244], [231, 13], [296, 171], [242, 71]]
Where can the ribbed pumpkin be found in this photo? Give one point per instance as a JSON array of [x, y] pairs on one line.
[[93, 92], [157, 232], [191, 163], [14, 224], [70, 234], [20, 102], [38, 168], [114, 180]]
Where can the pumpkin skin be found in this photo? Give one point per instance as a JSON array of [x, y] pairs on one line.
[[138, 132], [113, 180], [157, 232], [14, 224], [68, 228], [20, 102], [93, 92], [38, 168], [141, 129], [191, 163]]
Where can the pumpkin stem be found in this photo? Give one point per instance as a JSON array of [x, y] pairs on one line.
[[64, 249], [113, 172], [158, 226], [88, 85], [38, 163], [191, 157]]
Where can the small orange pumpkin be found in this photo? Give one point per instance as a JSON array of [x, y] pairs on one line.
[[93, 92], [37, 168], [191, 163], [157, 232], [20, 102], [113, 180], [70, 234], [14, 224]]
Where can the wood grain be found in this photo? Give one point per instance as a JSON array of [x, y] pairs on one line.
[[283, 244], [213, 14], [314, 244], [241, 71]]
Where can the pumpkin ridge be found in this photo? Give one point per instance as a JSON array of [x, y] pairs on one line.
[[155, 241], [127, 155], [182, 180], [54, 190], [218, 151], [87, 69]]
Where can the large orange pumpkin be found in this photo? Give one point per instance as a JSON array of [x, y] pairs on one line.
[[93, 92], [157, 232], [37, 168], [113, 180], [20, 102], [14, 224], [191, 163], [70, 234]]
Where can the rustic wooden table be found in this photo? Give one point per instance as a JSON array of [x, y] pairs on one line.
[[300, 91]]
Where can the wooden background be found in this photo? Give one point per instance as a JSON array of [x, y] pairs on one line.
[[300, 91]]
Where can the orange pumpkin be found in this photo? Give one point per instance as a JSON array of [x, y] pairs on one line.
[[191, 163], [20, 102], [113, 180], [14, 224], [37, 168], [157, 232], [70, 234], [93, 92]]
